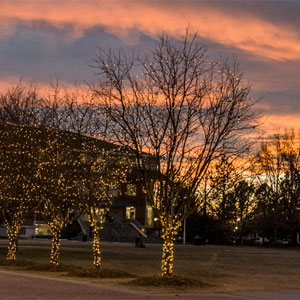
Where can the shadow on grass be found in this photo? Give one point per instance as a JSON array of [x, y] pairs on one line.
[[171, 281], [174, 281], [98, 273], [66, 270]]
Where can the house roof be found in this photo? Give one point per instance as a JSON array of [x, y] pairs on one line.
[[41, 134], [119, 202]]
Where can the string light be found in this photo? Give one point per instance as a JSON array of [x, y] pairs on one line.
[[152, 65], [169, 232], [61, 165], [17, 165], [102, 170]]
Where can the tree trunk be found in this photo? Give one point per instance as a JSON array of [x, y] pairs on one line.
[[96, 246], [168, 234], [96, 227], [241, 231], [55, 246], [241, 240], [13, 235], [274, 235]]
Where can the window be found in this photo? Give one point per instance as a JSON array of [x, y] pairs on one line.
[[113, 190], [100, 211], [113, 193], [151, 166], [22, 231], [131, 189], [149, 215], [42, 229], [130, 212]]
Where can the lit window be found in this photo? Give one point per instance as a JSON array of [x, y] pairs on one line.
[[42, 229], [100, 211], [149, 215], [131, 189], [130, 212]]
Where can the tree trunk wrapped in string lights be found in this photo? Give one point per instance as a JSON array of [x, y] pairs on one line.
[[177, 110], [56, 227], [169, 233], [13, 236], [96, 227]]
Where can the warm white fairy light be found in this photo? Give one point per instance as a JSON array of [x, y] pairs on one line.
[[17, 164], [169, 233], [57, 175], [101, 169]]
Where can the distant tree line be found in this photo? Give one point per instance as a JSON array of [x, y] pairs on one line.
[[260, 198]]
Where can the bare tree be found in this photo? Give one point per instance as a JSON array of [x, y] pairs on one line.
[[72, 108], [222, 200], [18, 164], [20, 109], [291, 185], [22, 105], [102, 168], [177, 111], [269, 170], [278, 196], [56, 183], [98, 163], [245, 202], [222, 183]]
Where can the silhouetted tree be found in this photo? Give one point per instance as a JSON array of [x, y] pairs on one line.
[[177, 111]]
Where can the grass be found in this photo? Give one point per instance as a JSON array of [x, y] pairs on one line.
[[204, 269]]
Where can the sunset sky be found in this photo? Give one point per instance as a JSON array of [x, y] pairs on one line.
[[42, 39]]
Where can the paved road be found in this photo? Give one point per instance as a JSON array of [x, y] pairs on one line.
[[16, 286]]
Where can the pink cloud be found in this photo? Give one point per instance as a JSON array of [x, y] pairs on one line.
[[243, 31]]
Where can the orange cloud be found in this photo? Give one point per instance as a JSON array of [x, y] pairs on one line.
[[45, 89], [276, 123], [243, 31]]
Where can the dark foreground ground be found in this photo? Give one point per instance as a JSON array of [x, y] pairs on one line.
[[224, 272], [32, 287]]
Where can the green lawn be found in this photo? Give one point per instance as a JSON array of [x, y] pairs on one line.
[[220, 268]]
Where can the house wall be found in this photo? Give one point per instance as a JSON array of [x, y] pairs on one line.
[[26, 232], [138, 201], [117, 213]]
